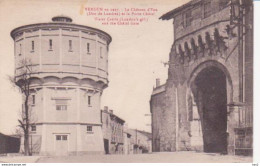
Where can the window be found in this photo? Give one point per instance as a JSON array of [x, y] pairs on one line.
[[70, 45], [89, 128], [61, 137], [89, 100], [64, 137], [88, 47], [61, 107], [58, 137], [101, 52], [50, 44], [188, 18], [32, 45], [20, 49], [207, 9], [33, 99], [33, 128]]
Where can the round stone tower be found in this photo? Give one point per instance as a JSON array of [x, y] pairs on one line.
[[69, 70]]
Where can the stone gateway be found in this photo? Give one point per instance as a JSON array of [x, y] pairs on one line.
[[206, 103]]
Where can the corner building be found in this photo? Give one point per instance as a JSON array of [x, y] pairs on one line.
[[113, 132], [206, 103], [69, 72]]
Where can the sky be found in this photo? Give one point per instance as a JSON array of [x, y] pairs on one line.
[[136, 54]]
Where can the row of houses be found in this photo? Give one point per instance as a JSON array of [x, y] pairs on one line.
[[119, 139]]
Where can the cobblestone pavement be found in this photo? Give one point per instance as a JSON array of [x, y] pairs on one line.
[[169, 157]]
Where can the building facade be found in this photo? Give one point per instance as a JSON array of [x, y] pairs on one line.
[[69, 70], [206, 103], [113, 132], [128, 147], [140, 141]]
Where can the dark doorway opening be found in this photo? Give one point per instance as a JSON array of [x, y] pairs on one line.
[[210, 91], [157, 145], [106, 146]]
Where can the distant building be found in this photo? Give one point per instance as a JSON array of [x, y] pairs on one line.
[[206, 103], [141, 141], [113, 132], [128, 148], [69, 72]]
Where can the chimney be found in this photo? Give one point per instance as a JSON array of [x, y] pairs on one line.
[[105, 108], [157, 82], [111, 111]]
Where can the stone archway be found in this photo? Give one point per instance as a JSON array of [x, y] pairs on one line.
[[209, 88]]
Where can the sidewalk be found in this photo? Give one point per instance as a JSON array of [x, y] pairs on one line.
[[19, 159]]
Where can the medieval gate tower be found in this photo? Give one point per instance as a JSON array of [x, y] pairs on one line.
[[207, 101], [69, 72]]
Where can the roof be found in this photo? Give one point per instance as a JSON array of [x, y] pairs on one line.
[[169, 15], [147, 134], [113, 115], [158, 89], [66, 22], [10, 136]]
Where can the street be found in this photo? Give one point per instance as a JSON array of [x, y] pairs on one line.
[[165, 157]]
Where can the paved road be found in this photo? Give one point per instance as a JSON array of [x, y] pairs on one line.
[[169, 157]]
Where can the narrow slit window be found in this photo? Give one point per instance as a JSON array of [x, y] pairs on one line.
[[33, 99], [32, 45], [50, 44], [70, 45], [101, 52], [88, 47], [20, 49], [89, 100]]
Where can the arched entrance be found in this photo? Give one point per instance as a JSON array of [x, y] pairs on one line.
[[209, 89]]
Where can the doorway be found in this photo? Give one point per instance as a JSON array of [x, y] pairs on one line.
[[106, 146], [210, 92], [61, 145]]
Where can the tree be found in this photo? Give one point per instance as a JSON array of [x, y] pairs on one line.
[[22, 80]]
